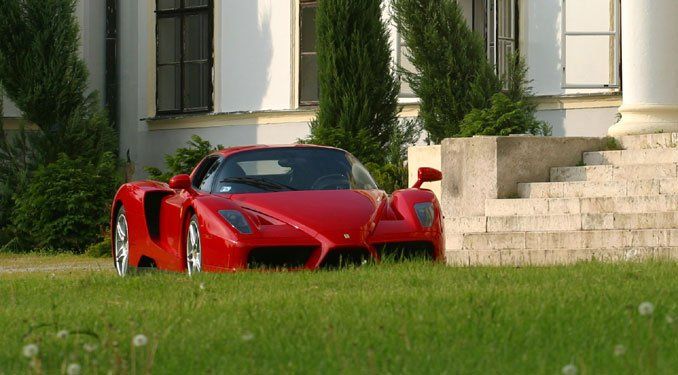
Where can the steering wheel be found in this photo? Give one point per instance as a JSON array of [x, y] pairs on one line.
[[331, 182]]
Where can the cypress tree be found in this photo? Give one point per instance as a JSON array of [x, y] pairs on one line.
[[43, 74], [358, 87], [453, 74]]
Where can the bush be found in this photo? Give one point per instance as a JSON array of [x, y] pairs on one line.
[[184, 159], [66, 204], [510, 112], [358, 89], [100, 249], [453, 75], [503, 117]]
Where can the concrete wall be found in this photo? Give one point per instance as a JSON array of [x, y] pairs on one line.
[[475, 169]]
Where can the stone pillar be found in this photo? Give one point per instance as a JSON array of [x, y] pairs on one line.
[[649, 68]]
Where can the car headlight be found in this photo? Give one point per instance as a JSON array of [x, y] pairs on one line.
[[237, 220], [425, 213]]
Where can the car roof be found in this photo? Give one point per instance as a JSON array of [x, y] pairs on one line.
[[237, 149]]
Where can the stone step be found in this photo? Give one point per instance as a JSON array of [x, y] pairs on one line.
[[566, 206], [540, 223], [547, 257], [553, 240], [615, 172], [645, 141], [626, 157], [597, 188]]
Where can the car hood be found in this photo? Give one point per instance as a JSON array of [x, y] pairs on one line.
[[321, 211]]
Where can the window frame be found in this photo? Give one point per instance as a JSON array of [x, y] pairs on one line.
[[182, 12], [301, 5], [616, 35]]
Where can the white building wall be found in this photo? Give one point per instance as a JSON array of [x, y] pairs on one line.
[[254, 46]]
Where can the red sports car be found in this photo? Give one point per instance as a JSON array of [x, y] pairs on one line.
[[280, 207]]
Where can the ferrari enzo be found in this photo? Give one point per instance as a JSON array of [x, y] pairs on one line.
[[276, 207]]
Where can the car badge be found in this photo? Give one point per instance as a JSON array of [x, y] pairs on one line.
[[347, 236]]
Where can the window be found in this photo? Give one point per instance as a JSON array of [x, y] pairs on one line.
[[590, 44], [204, 174], [496, 21], [184, 56], [309, 90], [403, 61]]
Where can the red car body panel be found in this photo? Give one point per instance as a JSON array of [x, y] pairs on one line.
[[320, 221]]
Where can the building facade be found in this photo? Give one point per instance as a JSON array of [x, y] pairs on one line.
[[244, 72]]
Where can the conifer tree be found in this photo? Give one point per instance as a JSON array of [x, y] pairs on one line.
[[358, 104], [453, 74]]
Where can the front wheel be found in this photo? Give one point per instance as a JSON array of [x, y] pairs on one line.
[[121, 243], [193, 247]]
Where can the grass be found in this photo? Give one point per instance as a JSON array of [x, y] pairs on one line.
[[397, 318]]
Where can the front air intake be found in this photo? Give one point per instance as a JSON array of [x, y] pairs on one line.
[[279, 257]]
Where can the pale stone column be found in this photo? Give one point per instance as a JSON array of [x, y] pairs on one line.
[[649, 68]]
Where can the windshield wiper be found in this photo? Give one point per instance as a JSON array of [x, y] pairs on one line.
[[259, 182]]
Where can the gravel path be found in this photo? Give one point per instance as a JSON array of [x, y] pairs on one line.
[[21, 264]]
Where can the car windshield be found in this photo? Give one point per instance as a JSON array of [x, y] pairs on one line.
[[291, 168]]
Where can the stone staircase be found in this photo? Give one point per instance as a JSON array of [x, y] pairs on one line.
[[619, 205]]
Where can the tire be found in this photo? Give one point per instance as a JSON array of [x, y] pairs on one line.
[[193, 247], [121, 242]]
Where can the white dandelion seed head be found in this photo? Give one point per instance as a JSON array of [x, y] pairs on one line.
[[140, 340], [247, 336], [89, 348], [619, 350], [62, 334], [669, 319], [569, 369], [646, 308], [30, 350], [202, 286], [73, 369]]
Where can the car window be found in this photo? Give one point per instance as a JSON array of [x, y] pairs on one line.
[[292, 168], [204, 171]]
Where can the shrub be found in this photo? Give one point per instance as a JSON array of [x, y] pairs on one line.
[[503, 117], [510, 112], [100, 249], [358, 103], [65, 206], [453, 75], [184, 159]]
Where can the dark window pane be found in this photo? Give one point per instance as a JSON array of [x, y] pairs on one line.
[[195, 3], [168, 4], [308, 81], [196, 37], [308, 29], [169, 40], [196, 81], [169, 87]]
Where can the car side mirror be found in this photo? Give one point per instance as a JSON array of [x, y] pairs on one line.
[[180, 182], [426, 174]]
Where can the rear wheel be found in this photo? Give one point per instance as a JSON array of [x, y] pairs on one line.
[[121, 243], [193, 247]]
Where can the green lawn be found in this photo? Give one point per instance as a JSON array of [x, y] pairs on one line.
[[398, 318]]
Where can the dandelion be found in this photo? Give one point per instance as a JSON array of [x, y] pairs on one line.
[[619, 350], [569, 369], [73, 369], [89, 348], [30, 350], [62, 334], [140, 340], [645, 308], [247, 336], [202, 286]]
